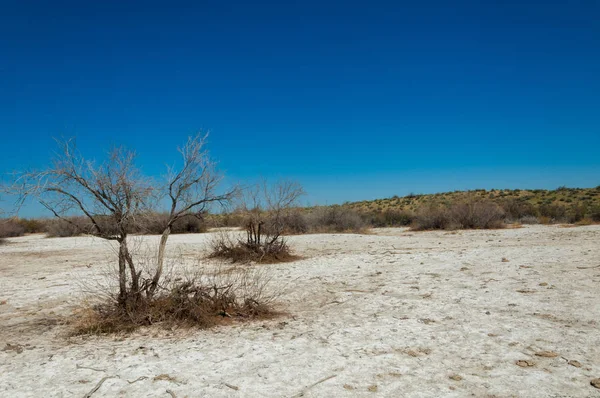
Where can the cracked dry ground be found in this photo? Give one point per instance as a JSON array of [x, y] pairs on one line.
[[499, 313]]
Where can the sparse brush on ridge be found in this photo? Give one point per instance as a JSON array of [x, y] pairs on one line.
[[563, 205]]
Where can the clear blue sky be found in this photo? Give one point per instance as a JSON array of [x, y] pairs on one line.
[[356, 100]]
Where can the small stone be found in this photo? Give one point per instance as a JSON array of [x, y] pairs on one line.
[[575, 363], [546, 354], [595, 383], [504, 260], [524, 363]]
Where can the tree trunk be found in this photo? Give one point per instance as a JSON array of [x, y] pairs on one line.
[[122, 274], [135, 277], [160, 260]]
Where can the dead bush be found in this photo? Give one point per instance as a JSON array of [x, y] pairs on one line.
[[190, 224], [466, 215], [234, 219], [432, 217], [66, 227], [594, 214], [295, 223], [202, 299], [10, 228], [477, 215], [516, 209], [391, 218], [576, 214], [335, 219], [155, 224], [265, 209], [554, 213], [32, 225], [231, 246], [529, 220]]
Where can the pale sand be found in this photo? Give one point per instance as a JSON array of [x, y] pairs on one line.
[[392, 314]]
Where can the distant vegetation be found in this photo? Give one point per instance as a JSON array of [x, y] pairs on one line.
[[484, 209], [477, 209], [450, 210], [147, 224]]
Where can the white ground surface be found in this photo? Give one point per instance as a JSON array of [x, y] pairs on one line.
[[391, 314]]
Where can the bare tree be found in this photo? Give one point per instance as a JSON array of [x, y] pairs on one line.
[[109, 195], [190, 190]]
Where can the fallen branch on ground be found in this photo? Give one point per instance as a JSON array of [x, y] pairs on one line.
[[305, 390], [90, 368], [97, 386], [138, 379]]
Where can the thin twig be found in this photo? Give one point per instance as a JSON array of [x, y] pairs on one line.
[[171, 393], [305, 390], [236, 388], [90, 368], [138, 379], [93, 390]]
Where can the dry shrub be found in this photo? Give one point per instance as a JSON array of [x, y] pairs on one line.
[[32, 225], [529, 220], [477, 215], [145, 224], [555, 213], [584, 221], [295, 223], [155, 224], [72, 226], [391, 218], [190, 224], [576, 214], [594, 213], [432, 217], [10, 228], [230, 245], [516, 209], [335, 219], [466, 215], [226, 220], [202, 300]]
